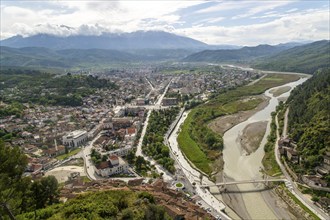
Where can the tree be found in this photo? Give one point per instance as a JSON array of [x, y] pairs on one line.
[[130, 157], [139, 162], [12, 166]]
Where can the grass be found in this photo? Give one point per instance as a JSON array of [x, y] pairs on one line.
[[190, 148], [192, 139], [297, 201], [64, 156], [85, 179], [179, 185], [271, 167]]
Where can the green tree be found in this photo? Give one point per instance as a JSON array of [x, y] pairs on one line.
[[12, 166]]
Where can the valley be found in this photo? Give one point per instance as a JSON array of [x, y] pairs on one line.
[[160, 110]]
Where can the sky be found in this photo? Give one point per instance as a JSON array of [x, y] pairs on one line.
[[244, 22]]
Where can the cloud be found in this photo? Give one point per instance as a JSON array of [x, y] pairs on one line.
[[243, 22], [313, 25]]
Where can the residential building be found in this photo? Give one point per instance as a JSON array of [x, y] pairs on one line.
[[169, 101], [140, 101], [114, 165]]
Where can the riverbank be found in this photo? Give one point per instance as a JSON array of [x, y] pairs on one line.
[[222, 124], [279, 91], [260, 202], [252, 136]]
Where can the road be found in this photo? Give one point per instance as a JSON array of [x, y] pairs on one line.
[[88, 164], [166, 175], [160, 99], [292, 185], [194, 176]]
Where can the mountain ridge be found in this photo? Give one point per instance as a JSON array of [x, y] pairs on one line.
[[122, 41], [243, 54], [305, 58]]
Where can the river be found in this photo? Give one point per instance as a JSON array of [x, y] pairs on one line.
[[240, 166]]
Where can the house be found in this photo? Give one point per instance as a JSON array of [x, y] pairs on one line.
[[55, 151], [125, 122], [121, 151], [292, 155], [312, 180], [130, 133], [75, 138], [140, 101], [169, 101], [114, 165], [174, 212]]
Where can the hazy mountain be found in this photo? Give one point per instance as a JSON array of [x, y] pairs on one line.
[[123, 41], [44, 57], [67, 58], [306, 58], [243, 54]]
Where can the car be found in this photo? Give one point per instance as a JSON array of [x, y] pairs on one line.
[[199, 203], [218, 217], [208, 209]]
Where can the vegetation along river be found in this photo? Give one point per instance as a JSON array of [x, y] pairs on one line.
[[241, 166]]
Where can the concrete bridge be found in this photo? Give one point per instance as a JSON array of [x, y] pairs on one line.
[[244, 182]]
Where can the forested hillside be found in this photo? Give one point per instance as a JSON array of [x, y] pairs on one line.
[[305, 59], [309, 119]]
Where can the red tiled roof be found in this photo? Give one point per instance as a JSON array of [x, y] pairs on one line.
[[131, 131], [113, 157], [103, 165]]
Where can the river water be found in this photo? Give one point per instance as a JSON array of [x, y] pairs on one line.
[[240, 166]]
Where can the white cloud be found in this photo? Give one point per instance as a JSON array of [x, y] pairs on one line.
[[93, 18], [296, 27]]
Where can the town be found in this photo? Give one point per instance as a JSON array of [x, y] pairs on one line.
[[103, 137]]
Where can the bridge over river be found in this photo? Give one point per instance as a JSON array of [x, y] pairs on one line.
[[244, 182]]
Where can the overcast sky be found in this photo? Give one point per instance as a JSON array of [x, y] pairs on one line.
[[214, 22]]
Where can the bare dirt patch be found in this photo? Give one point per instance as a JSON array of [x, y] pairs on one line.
[[62, 173], [221, 124], [279, 91], [252, 135]]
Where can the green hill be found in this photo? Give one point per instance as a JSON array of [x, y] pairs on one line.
[[243, 54], [306, 59], [309, 120]]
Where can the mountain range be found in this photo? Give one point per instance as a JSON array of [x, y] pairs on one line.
[[48, 51], [111, 41], [242, 54]]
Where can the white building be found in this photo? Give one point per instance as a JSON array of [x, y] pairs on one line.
[[75, 138], [121, 151], [114, 165]]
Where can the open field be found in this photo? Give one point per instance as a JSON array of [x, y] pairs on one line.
[[199, 143]]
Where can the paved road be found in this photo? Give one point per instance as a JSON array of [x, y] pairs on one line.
[[291, 185], [88, 164], [194, 176], [166, 175]]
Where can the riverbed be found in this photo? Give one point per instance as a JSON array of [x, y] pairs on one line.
[[241, 166]]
